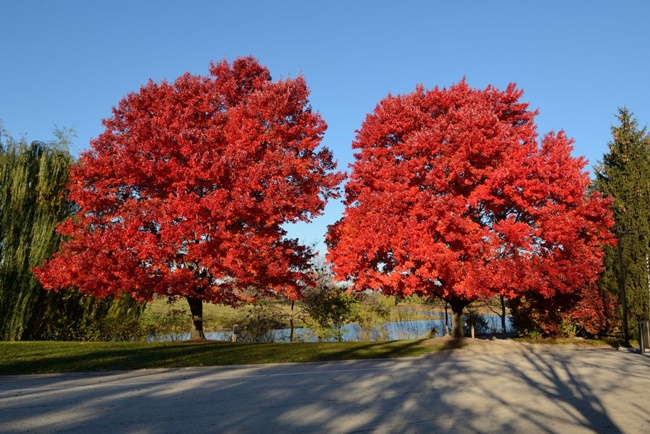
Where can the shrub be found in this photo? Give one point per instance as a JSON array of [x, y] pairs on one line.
[[257, 323], [590, 312], [371, 311], [329, 308], [480, 323]]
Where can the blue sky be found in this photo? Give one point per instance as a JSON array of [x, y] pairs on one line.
[[68, 62]]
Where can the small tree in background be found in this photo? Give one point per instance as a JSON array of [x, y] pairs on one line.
[[186, 192], [451, 195], [328, 307]]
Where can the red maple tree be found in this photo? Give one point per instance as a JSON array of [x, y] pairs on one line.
[[452, 196], [186, 191]]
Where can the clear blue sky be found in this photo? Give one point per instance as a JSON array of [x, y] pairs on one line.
[[68, 62]]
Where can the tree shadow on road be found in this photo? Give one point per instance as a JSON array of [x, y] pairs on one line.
[[493, 387]]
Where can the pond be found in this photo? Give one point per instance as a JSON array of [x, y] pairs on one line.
[[412, 329]]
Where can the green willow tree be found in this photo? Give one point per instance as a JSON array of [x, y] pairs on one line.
[[33, 179], [624, 174]]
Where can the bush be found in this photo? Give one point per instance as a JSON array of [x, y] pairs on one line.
[[328, 309], [590, 312], [480, 323], [106, 319], [257, 323], [371, 311], [171, 325]]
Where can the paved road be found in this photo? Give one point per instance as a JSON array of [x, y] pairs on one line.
[[492, 387]]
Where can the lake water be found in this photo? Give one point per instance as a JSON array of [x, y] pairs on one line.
[[386, 331]]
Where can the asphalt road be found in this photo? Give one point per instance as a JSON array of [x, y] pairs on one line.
[[492, 387]]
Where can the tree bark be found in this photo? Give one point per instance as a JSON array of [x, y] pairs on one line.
[[196, 309], [446, 318], [457, 307], [291, 334], [503, 314]]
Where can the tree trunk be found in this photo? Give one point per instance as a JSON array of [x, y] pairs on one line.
[[457, 307], [446, 318], [503, 314], [196, 308], [291, 334]]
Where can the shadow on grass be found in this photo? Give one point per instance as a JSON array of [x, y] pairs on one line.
[[52, 357]]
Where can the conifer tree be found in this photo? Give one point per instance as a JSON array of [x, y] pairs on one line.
[[624, 175]]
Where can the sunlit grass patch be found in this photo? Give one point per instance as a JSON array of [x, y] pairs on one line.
[[50, 357]]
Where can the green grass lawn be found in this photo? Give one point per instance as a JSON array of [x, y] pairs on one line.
[[36, 357]]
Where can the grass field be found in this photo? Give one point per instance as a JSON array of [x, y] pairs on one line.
[[37, 357]]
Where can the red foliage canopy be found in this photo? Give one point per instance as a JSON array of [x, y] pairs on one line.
[[451, 195], [186, 191]]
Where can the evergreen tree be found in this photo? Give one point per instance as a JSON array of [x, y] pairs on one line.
[[624, 175], [33, 179]]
